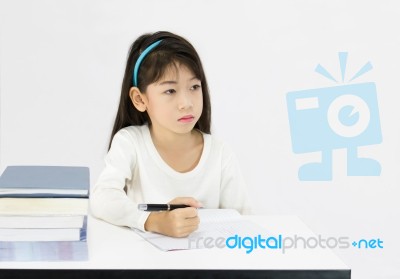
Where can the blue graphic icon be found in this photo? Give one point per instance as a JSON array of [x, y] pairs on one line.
[[344, 116]]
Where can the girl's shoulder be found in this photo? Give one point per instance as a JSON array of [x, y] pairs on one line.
[[218, 145], [131, 134], [133, 130]]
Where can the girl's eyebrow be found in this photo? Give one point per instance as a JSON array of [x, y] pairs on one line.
[[168, 82], [174, 81]]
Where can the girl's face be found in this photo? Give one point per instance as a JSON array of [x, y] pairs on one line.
[[175, 102]]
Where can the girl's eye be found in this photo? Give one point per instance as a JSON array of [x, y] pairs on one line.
[[170, 91], [195, 87]]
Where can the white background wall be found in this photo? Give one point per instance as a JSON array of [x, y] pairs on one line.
[[61, 68]]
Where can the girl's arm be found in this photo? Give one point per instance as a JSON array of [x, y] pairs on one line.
[[108, 199], [233, 192], [110, 202]]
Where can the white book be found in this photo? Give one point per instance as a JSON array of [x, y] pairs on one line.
[[40, 234], [40, 222], [43, 206]]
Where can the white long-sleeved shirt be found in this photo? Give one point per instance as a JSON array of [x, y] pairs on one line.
[[135, 173]]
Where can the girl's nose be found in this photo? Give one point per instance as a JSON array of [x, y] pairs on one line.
[[185, 101]]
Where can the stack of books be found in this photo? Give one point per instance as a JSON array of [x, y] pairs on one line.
[[43, 213]]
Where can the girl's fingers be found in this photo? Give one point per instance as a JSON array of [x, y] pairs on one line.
[[188, 201]]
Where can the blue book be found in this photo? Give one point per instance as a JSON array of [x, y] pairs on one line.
[[45, 182]]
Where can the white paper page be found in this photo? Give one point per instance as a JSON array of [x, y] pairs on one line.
[[214, 223]]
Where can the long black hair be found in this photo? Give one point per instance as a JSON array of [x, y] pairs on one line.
[[172, 49]]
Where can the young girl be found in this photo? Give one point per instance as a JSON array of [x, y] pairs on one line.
[[161, 150]]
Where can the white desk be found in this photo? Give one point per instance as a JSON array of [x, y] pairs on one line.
[[113, 248]]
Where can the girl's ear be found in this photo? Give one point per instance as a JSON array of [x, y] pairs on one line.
[[138, 99]]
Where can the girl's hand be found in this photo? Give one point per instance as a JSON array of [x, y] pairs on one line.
[[188, 201], [176, 223]]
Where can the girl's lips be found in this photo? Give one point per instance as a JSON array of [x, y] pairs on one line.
[[186, 119]]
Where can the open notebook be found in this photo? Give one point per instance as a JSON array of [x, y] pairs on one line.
[[214, 223]]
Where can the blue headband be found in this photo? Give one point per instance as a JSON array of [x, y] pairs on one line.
[[140, 59]]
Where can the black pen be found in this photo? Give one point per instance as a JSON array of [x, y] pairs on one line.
[[160, 207]]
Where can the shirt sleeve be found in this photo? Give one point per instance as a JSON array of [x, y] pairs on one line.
[[108, 200], [233, 192]]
